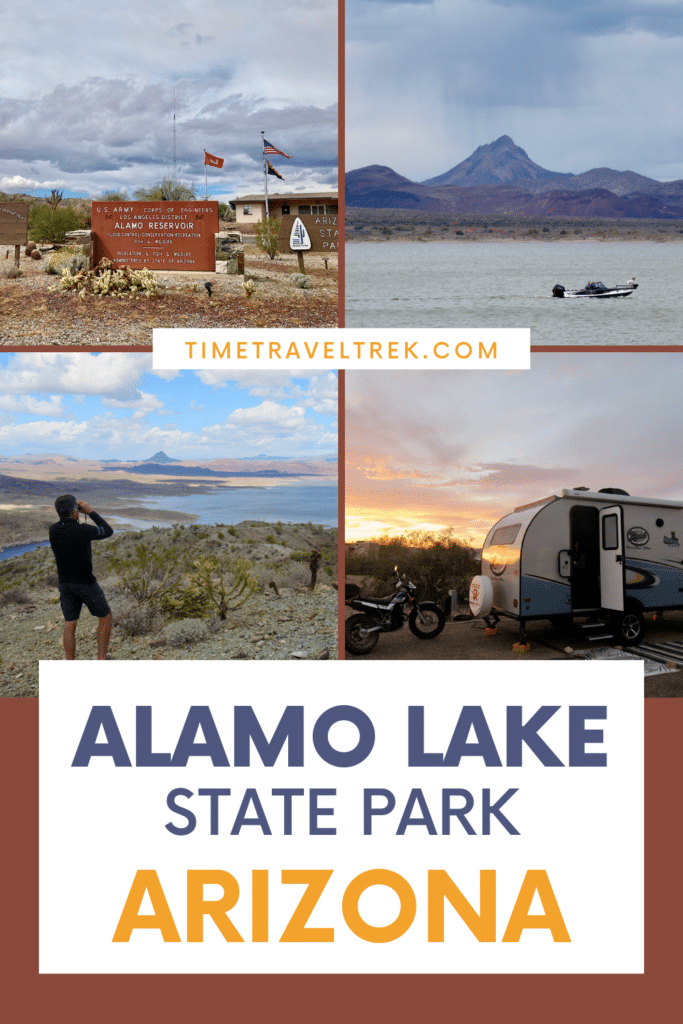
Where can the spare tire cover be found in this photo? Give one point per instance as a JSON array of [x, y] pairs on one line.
[[481, 596]]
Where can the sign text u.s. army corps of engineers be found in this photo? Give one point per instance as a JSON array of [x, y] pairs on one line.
[[156, 235]]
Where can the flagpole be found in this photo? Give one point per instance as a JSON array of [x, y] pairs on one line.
[[265, 170], [206, 185]]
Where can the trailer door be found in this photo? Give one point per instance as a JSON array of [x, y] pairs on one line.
[[612, 573]]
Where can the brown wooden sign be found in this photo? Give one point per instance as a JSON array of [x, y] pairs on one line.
[[13, 223], [321, 229], [157, 235]]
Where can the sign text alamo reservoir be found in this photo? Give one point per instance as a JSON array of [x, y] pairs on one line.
[[156, 235]]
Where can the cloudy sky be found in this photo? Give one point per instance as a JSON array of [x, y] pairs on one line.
[[432, 449], [114, 406], [86, 93], [576, 84]]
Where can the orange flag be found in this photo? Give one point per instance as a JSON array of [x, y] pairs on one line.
[[213, 161]]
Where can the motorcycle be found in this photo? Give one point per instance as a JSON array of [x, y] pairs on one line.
[[387, 614]]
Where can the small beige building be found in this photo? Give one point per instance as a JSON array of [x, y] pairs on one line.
[[252, 209]]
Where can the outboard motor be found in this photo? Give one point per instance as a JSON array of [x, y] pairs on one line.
[[558, 291]]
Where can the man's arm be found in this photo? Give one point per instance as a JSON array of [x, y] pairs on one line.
[[101, 529]]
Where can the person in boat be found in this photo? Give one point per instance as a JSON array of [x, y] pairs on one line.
[[70, 542]]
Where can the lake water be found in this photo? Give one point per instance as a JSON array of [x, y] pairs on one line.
[[509, 284], [285, 503], [22, 549]]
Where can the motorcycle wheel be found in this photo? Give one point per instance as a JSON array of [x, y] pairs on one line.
[[354, 641], [434, 622]]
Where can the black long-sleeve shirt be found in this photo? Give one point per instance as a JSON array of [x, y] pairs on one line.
[[70, 542]]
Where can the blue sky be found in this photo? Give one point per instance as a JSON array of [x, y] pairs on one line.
[[114, 406], [86, 93], [576, 84]]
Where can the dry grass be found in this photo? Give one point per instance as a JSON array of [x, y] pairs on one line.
[[31, 314]]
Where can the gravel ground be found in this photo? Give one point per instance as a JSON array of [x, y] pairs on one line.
[[30, 314], [297, 625]]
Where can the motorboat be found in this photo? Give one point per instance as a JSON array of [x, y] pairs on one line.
[[596, 290]]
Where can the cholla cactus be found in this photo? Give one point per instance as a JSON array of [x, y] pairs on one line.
[[227, 584], [106, 281]]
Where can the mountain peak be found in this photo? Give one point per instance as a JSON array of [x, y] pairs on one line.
[[496, 163], [161, 457]]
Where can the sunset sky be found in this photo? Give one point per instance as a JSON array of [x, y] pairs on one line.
[[433, 449]]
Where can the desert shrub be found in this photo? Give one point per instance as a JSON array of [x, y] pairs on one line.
[[135, 620], [15, 595], [168, 189], [267, 232], [293, 575], [186, 631], [301, 280], [52, 225], [232, 531], [13, 272], [150, 574], [71, 257], [435, 562]]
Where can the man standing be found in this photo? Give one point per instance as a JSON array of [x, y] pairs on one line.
[[70, 542]]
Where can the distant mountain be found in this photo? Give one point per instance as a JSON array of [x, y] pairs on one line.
[[499, 163], [159, 469], [162, 457], [265, 458], [500, 178]]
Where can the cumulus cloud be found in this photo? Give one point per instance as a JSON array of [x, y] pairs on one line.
[[113, 375], [229, 79]]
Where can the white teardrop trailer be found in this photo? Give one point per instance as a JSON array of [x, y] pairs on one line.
[[602, 554]]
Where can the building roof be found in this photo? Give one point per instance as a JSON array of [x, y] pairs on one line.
[[287, 196]]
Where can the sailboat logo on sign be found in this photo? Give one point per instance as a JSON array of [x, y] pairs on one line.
[[299, 238]]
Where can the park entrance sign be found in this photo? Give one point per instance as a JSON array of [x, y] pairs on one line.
[[157, 235], [13, 223], [321, 230]]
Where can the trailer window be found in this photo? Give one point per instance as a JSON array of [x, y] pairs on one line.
[[505, 535], [610, 533]]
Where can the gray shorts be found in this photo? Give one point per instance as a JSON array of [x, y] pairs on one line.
[[73, 596]]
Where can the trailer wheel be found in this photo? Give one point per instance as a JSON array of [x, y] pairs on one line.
[[628, 626], [356, 639]]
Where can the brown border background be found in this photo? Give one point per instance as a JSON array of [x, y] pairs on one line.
[[28, 997]]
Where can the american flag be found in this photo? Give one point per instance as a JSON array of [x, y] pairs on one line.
[[272, 151]]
